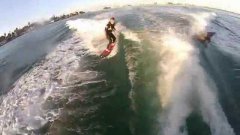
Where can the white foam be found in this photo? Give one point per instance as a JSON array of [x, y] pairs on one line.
[[201, 21], [130, 58], [183, 84], [21, 109], [91, 31], [131, 35]]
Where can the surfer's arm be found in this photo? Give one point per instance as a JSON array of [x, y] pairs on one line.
[[108, 27], [114, 29]]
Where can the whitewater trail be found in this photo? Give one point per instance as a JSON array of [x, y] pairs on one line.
[[182, 80], [183, 85], [22, 109], [131, 55]]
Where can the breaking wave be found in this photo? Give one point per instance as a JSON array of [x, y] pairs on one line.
[[184, 87], [24, 104]]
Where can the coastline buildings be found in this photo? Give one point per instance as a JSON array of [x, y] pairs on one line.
[[7, 37]]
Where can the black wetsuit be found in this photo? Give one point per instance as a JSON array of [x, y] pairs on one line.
[[109, 32]]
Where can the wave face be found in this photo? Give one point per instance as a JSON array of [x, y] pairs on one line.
[[157, 81]]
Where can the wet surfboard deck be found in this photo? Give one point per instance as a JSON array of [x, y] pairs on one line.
[[107, 51]]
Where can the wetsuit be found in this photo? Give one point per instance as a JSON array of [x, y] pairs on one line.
[[109, 32]]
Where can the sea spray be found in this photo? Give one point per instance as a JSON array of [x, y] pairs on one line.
[[182, 78], [89, 31], [92, 33]]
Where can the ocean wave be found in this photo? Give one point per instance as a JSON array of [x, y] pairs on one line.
[[22, 110]]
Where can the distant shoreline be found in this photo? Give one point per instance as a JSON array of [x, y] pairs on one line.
[[7, 37]]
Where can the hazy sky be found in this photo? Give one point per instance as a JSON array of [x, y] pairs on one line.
[[19, 12], [15, 13]]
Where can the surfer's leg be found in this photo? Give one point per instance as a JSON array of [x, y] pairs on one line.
[[113, 38], [110, 39]]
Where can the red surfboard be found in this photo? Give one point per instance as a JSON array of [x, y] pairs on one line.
[[107, 51]]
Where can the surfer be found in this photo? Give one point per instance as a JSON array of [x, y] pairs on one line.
[[204, 37], [110, 27], [109, 31]]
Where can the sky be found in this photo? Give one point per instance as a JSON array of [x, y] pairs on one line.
[[16, 13]]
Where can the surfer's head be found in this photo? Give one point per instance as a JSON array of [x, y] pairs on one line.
[[112, 20]]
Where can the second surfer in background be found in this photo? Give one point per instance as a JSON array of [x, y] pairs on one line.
[[109, 31], [204, 37]]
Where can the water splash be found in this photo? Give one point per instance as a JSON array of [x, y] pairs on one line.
[[92, 33], [181, 81], [23, 109]]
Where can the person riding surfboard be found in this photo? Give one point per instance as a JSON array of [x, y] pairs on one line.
[[110, 27], [204, 37]]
